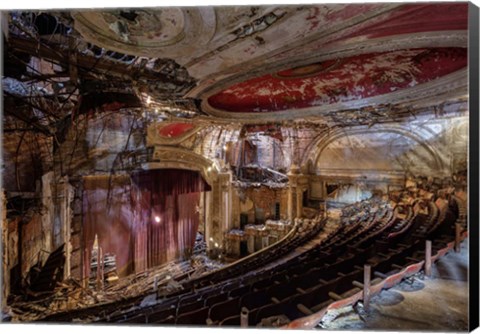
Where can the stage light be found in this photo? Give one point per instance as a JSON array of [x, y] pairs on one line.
[[157, 219]]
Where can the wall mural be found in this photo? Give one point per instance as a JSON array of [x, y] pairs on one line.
[[340, 80]]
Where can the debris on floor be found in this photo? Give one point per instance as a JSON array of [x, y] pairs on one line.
[[70, 294]]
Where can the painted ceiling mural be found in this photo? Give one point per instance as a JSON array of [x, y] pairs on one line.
[[231, 61], [340, 80], [419, 18]]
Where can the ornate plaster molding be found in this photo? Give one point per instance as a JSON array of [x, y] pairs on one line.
[[316, 148], [175, 157], [167, 32], [314, 52], [441, 88], [154, 136]]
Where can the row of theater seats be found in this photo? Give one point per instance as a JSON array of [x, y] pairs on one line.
[[371, 232], [273, 289], [305, 230], [206, 290]]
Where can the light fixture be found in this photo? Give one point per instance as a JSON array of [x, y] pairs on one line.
[[156, 110], [216, 245], [209, 169], [225, 147], [157, 219], [211, 239]]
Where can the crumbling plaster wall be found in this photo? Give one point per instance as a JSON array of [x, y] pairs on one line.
[[278, 151], [265, 198], [91, 145], [428, 145], [95, 144], [33, 249], [251, 199], [41, 228], [26, 155], [384, 154]]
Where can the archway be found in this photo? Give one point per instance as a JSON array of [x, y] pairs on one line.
[[382, 138], [217, 202], [378, 157], [112, 221]]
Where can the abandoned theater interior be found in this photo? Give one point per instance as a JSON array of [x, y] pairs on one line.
[[287, 166]]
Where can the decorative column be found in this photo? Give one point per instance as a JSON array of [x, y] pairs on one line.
[[226, 187], [250, 234], [234, 238], [264, 237], [299, 202], [298, 184], [290, 204], [257, 237], [302, 186], [292, 189], [212, 227], [66, 197], [221, 220]]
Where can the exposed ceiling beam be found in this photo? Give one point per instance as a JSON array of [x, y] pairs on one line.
[[85, 62]]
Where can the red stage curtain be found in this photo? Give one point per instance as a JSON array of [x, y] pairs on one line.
[[107, 213], [166, 218]]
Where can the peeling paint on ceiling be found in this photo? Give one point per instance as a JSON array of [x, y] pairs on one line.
[[340, 80]]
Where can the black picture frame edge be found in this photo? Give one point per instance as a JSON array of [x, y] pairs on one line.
[[473, 169]]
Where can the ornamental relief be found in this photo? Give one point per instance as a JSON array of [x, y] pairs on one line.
[[170, 133]]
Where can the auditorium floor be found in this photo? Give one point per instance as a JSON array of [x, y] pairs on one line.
[[439, 303]]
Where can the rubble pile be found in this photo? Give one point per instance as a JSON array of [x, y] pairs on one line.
[[72, 295]]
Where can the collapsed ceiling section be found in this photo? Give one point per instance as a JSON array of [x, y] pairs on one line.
[[337, 64], [54, 72]]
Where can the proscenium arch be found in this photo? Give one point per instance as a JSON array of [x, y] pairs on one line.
[[178, 158], [318, 146]]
